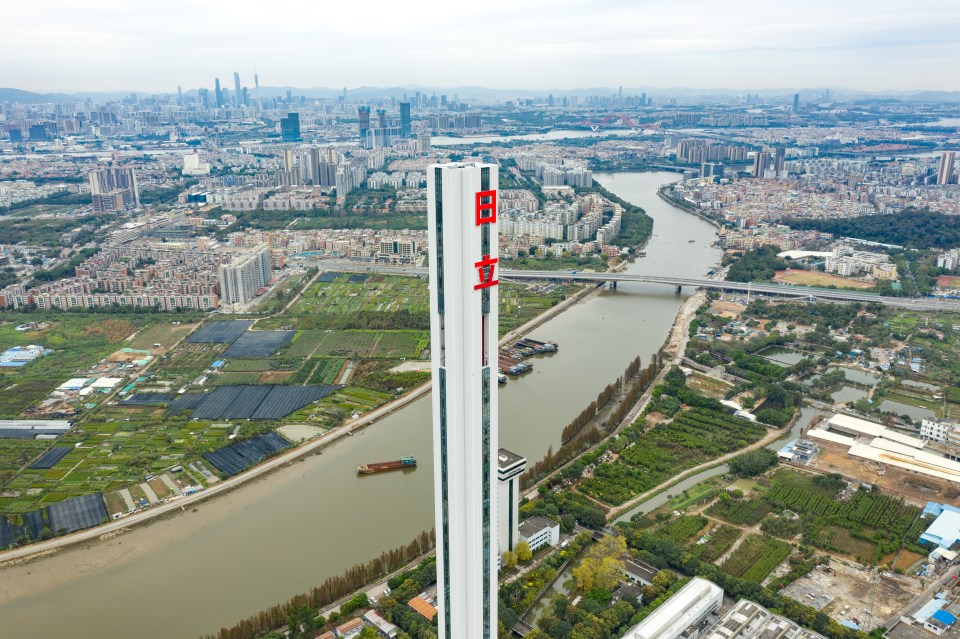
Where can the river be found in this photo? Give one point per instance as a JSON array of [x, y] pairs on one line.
[[558, 134], [282, 535]]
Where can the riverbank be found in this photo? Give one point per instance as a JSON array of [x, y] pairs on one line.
[[688, 209], [110, 529], [303, 522]]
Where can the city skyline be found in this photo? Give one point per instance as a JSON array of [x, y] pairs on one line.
[[856, 45]]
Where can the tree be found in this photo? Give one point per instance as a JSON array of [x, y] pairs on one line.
[[753, 463], [601, 567], [663, 580], [368, 633], [509, 559], [524, 554]]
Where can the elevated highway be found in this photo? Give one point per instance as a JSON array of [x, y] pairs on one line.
[[748, 288]]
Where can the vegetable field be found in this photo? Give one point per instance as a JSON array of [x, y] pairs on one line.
[[746, 512], [719, 543], [756, 557]]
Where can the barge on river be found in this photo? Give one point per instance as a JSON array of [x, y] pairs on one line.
[[382, 467]]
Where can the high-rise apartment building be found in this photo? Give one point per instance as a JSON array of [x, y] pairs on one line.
[[114, 190], [796, 103], [462, 221], [246, 274], [779, 156], [405, 129], [945, 170], [363, 118], [218, 92], [760, 163], [290, 128]]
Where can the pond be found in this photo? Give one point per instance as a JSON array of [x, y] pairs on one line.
[[922, 385], [848, 394], [914, 412], [857, 375], [785, 357]]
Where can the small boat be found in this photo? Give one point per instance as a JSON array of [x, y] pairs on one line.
[[691, 241], [406, 461]]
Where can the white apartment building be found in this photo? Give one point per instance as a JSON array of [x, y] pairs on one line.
[[246, 274]]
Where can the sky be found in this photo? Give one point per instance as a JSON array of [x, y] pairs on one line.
[[134, 45]]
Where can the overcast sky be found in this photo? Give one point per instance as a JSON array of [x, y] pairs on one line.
[[113, 45]]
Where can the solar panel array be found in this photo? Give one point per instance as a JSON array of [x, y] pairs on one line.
[[357, 278], [50, 458], [225, 332], [148, 399], [258, 343], [329, 276], [71, 515], [237, 457], [250, 402]]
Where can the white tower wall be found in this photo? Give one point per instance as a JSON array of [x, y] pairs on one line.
[[463, 331]]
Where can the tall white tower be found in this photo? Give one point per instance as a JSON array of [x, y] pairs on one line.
[[509, 468], [462, 219]]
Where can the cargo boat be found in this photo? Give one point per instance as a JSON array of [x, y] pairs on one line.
[[382, 467]]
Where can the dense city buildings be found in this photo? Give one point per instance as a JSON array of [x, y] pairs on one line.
[[462, 216]]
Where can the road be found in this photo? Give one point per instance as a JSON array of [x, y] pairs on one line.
[[749, 288]]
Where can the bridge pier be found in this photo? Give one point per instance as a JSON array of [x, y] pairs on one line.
[[679, 289], [613, 285]]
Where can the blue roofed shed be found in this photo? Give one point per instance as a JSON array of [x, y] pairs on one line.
[[944, 617], [945, 529]]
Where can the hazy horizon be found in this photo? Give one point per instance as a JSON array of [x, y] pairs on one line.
[[538, 45]]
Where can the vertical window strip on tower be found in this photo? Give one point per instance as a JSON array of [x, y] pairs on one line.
[[438, 186], [485, 465], [444, 499]]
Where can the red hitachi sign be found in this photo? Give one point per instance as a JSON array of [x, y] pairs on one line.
[[486, 213]]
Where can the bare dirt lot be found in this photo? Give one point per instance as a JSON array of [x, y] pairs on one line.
[[915, 489], [846, 590], [813, 278], [726, 309]]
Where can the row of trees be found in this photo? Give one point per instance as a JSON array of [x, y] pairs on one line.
[[329, 591], [576, 437]]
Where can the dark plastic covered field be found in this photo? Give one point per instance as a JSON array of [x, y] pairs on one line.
[[225, 332], [237, 457]]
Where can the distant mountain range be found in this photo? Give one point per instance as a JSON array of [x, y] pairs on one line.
[[485, 93]]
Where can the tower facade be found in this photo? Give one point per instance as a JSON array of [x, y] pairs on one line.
[[945, 170], [509, 468], [405, 119], [237, 92], [462, 221]]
